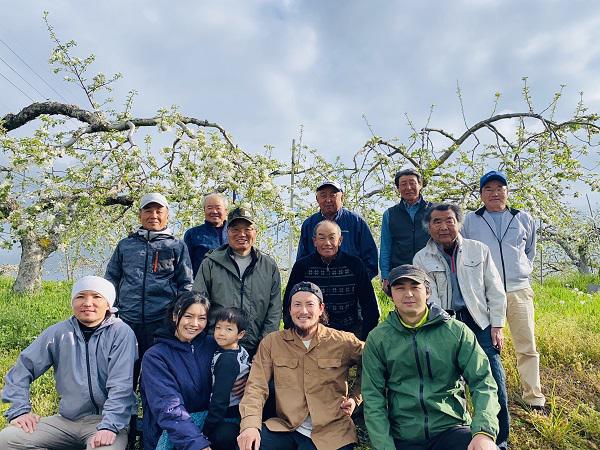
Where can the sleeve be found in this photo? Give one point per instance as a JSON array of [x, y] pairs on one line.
[[167, 406], [385, 246], [475, 368], [435, 296], [296, 276], [273, 317], [202, 283], [225, 373], [368, 302], [356, 351], [531, 241], [114, 270], [303, 243], [184, 277], [464, 231], [34, 361], [368, 249], [494, 290], [374, 385], [121, 399], [257, 388], [187, 240]]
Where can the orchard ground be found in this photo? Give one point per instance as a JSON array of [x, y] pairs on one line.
[[568, 336]]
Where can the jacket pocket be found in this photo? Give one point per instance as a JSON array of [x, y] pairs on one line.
[[330, 370], [285, 372], [164, 261]]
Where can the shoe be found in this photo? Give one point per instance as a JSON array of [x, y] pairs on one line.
[[542, 410]]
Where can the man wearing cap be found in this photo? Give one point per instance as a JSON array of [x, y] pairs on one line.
[[347, 290], [92, 355], [212, 233], [511, 235], [309, 365], [239, 275], [402, 232], [464, 279], [411, 379], [357, 237], [149, 268]]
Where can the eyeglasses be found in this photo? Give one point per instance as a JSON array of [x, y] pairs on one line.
[[245, 230]]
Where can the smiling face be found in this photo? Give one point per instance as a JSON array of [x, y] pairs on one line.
[[494, 196], [410, 299], [215, 211], [329, 200], [242, 236], [327, 240], [192, 322], [305, 311], [443, 227], [409, 188], [89, 308], [227, 335], [154, 217]]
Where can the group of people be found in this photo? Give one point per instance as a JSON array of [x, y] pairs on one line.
[[199, 327]]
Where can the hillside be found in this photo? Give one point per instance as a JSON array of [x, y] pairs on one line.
[[568, 330]]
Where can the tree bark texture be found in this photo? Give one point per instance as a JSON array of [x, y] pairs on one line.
[[34, 252]]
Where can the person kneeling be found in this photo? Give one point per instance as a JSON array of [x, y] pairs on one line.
[[309, 364], [412, 367], [92, 354]]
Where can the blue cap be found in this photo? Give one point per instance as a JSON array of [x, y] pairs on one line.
[[490, 176], [331, 183]]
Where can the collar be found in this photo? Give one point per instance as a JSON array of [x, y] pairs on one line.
[[336, 217], [417, 203], [482, 210], [224, 226], [151, 235], [419, 324]]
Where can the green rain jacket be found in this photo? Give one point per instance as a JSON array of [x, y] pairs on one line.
[[410, 380]]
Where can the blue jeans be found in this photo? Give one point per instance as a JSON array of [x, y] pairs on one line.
[[484, 337], [290, 440]]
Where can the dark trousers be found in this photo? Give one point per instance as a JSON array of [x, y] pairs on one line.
[[484, 337], [290, 440], [455, 438], [224, 437], [144, 334]]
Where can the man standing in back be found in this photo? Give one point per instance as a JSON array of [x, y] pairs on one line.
[[211, 234], [511, 234], [357, 238]]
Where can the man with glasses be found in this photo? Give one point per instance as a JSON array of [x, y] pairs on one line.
[[239, 275]]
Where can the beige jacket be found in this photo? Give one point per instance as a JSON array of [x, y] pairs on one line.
[[478, 278], [316, 376]]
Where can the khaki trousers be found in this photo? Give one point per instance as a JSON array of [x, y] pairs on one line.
[[520, 316], [58, 433]]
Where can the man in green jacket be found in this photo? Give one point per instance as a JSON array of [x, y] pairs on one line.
[[412, 364], [239, 275]]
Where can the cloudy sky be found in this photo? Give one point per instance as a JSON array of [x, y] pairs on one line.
[[264, 68]]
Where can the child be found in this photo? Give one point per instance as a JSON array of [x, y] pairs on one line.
[[230, 363]]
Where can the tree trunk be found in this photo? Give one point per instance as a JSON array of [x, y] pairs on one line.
[[584, 265], [34, 251]]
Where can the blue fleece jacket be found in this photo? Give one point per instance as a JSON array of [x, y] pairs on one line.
[[176, 381], [201, 239]]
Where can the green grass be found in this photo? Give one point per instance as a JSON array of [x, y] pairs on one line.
[[568, 336]]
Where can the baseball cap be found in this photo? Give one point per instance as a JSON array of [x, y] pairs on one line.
[[240, 213], [492, 175], [307, 286], [331, 183], [154, 197], [407, 271]]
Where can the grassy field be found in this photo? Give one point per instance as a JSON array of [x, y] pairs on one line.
[[568, 333]]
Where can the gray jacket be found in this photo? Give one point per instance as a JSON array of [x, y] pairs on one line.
[[92, 378], [149, 269], [478, 278], [257, 291], [514, 251]]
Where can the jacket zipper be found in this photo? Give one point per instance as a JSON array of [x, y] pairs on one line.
[[421, 387], [144, 281], [500, 244], [89, 377], [428, 364]]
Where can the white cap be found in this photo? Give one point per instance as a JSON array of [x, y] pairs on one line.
[[154, 197], [97, 284]]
